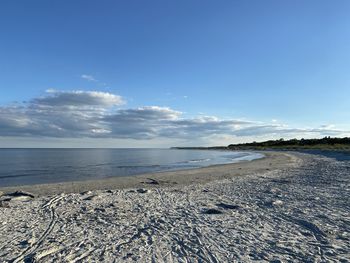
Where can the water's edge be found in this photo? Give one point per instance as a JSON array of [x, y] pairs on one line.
[[40, 166]]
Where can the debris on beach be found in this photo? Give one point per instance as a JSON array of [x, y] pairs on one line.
[[21, 193], [86, 193], [16, 196], [91, 197], [142, 191], [212, 211], [152, 181], [227, 206], [4, 204]]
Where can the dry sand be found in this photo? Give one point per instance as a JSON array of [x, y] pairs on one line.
[[283, 208]]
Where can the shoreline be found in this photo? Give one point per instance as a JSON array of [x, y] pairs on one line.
[[271, 161], [284, 207]]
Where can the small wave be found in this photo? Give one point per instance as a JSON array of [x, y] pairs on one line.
[[247, 157], [236, 156], [99, 164], [193, 161], [137, 166], [198, 160], [19, 175]]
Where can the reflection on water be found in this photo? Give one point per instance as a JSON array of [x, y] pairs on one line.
[[33, 166]]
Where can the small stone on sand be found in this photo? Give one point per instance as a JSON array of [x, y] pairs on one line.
[[142, 191], [91, 197], [277, 202]]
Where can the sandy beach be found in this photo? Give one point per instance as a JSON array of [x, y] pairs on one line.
[[286, 207]]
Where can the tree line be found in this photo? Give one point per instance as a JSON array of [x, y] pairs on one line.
[[326, 142]]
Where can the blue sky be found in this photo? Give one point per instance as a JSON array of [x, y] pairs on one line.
[[280, 66]]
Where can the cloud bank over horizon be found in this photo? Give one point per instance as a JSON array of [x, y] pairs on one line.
[[95, 114]]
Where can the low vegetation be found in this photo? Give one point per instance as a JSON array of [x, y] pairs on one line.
[[326, 143]]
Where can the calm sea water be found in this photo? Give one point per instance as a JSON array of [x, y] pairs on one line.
[[37, 166]]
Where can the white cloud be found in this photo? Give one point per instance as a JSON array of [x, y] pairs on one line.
[[51, 90], [327, 126], [79, 98], [94, 114], [88, 78]]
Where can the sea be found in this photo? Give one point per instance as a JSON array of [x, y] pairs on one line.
[[40, 166]]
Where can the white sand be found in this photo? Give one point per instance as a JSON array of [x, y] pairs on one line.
[[294, 212]]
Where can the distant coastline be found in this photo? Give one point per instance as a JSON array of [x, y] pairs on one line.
[[324, 144]]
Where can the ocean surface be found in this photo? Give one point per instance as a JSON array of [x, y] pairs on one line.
[[37, 166]]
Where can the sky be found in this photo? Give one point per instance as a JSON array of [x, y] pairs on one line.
[[172, 73]]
